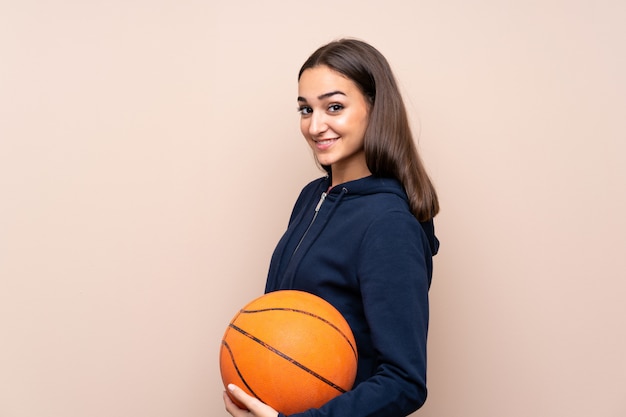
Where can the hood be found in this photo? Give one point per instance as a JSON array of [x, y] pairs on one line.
[[369, 185], [375, 185]]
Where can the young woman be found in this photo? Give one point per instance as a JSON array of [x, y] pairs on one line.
[[361, 237]]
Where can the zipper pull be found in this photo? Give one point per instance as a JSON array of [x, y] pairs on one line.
[[322, 198]]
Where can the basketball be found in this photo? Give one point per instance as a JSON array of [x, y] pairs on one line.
[[290, 349]]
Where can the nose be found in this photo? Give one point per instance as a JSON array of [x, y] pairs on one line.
[[317, 123]]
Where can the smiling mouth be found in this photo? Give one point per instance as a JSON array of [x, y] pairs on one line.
[[325, 142]]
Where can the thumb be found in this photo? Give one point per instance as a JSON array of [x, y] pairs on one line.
[[240, 397], [256, 406]]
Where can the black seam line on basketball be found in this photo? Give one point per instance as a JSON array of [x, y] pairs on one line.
[[288, 358], [308, 314], [232, 358]]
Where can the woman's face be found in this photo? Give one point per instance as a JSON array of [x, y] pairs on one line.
[[334, 116]]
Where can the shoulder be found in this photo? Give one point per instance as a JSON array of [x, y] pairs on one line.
[[392, 225], [392, 217]]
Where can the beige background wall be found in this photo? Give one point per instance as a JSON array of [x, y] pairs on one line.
[[150, 155]]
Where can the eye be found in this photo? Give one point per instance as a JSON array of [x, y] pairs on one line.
[[333, 108], [305, 110]]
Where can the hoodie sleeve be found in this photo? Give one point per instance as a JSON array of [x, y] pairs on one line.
[[394, 280]]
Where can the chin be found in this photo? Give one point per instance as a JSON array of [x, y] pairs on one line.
[[324, 162]]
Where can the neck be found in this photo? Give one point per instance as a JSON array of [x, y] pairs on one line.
[[339, 177]]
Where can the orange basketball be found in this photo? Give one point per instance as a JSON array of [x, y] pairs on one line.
[[290, 349]]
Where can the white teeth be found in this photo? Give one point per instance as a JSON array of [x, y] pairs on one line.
[[325, 141]]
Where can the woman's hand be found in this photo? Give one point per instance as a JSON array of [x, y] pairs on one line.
[[256, 408]]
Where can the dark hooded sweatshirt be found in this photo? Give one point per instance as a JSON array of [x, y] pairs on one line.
[[359, 247]]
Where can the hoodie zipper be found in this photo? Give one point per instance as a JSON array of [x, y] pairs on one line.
[[317, 210]]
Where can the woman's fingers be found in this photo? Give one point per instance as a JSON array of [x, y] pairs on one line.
[[256, 407]]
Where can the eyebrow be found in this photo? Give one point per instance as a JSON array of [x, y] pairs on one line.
[[323, 96]]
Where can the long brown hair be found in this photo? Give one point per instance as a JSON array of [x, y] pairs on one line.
[[389, 147]]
